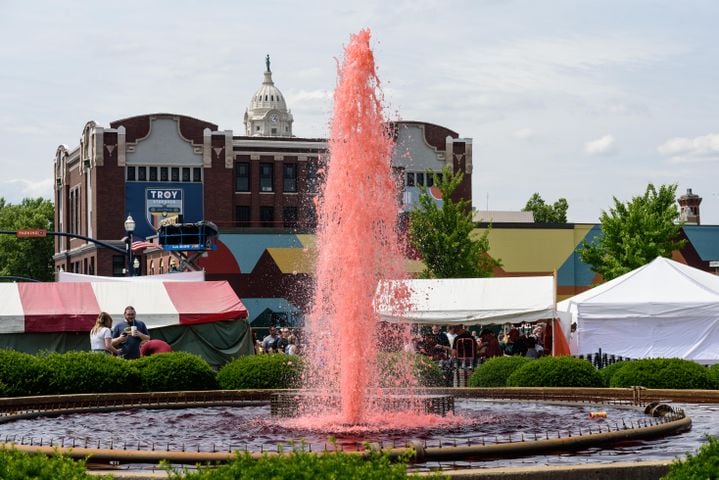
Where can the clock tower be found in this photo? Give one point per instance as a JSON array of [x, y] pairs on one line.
[[268, 115]]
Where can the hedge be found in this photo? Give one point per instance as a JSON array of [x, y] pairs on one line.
[[21, 374], [495, 371], [301, 465], [173, 371], [16, 465], [713, 373], [392, 369], [608, 372], [673, 373], [556, 372], [261, 371], [88, 372], [704, 465]]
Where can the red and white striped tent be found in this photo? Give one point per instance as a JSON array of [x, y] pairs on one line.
[[73, 307]]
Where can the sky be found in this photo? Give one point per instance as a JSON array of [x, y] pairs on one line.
[[579, 99]]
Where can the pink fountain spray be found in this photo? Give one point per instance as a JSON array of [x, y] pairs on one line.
[[357, 241]]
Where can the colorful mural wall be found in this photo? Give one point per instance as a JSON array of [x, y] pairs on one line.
[[272, 273]]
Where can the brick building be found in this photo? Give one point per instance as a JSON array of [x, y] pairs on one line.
[[163, 165]]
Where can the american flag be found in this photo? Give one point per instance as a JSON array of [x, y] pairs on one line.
[[139, 245]]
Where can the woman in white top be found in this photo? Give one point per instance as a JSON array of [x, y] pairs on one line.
[[101, 336]]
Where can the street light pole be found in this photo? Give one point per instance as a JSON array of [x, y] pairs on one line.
[[130, 228]]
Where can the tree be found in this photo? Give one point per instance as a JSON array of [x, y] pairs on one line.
[[443, 236], [543, 213], [26, 257], [635, 233]]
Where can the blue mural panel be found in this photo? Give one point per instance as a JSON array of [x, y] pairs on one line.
[[150, 202]]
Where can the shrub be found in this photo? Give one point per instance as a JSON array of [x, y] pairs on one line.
[[713, 373], [556, 372], [89, 372], [702, 466], [261, 371], [609, 371], [172, 371], [662, 373], [394, 367], [18, 465], [299, 465], [22, 374], [495, 371]]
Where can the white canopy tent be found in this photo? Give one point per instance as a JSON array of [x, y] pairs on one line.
[[473, 301], [664, 309], [469, 301]]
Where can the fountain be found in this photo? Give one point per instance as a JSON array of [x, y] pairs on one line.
[[358, 245], [345, 393]]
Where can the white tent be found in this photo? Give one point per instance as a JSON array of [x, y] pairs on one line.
[[469, 301], [663, 309]]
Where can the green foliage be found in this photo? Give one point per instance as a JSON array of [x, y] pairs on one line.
[[443, 236], [165, 372], [261, 371], [22, 374], [15, 465], [544, 213], [704, 465], [662, 373], [27, 257], [89, 372], [713, 373], [390, 366], [635, 233], [608, 372], [299, 465], [556, 372], [495, 371]]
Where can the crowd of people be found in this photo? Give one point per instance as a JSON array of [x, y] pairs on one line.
[[285, 342], [128, 339], [463, 348]]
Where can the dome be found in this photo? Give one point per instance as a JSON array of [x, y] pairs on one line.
[[267, 115], [268, 96]]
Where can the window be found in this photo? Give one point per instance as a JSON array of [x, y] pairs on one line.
[[130, 174], [242, 177], [410, 179], [185, 174], [267, 216], [420, 179], [175, 174], [242, 215], [312, 180], [153, 174], [266, 177], [430, 179], [274, 131], [290, 177], [163, 174], [118, 265], [289, 216], [141, 174], [197, 174]]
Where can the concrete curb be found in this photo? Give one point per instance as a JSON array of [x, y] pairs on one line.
[[593, 471]]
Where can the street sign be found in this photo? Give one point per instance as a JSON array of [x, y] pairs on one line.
[[714, 263], [31, 233]]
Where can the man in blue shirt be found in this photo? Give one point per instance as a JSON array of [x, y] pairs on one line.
[[127, 338]]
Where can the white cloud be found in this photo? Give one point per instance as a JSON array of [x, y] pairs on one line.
[[524, 134], [15, 190], [691, 150], [601, 146]]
